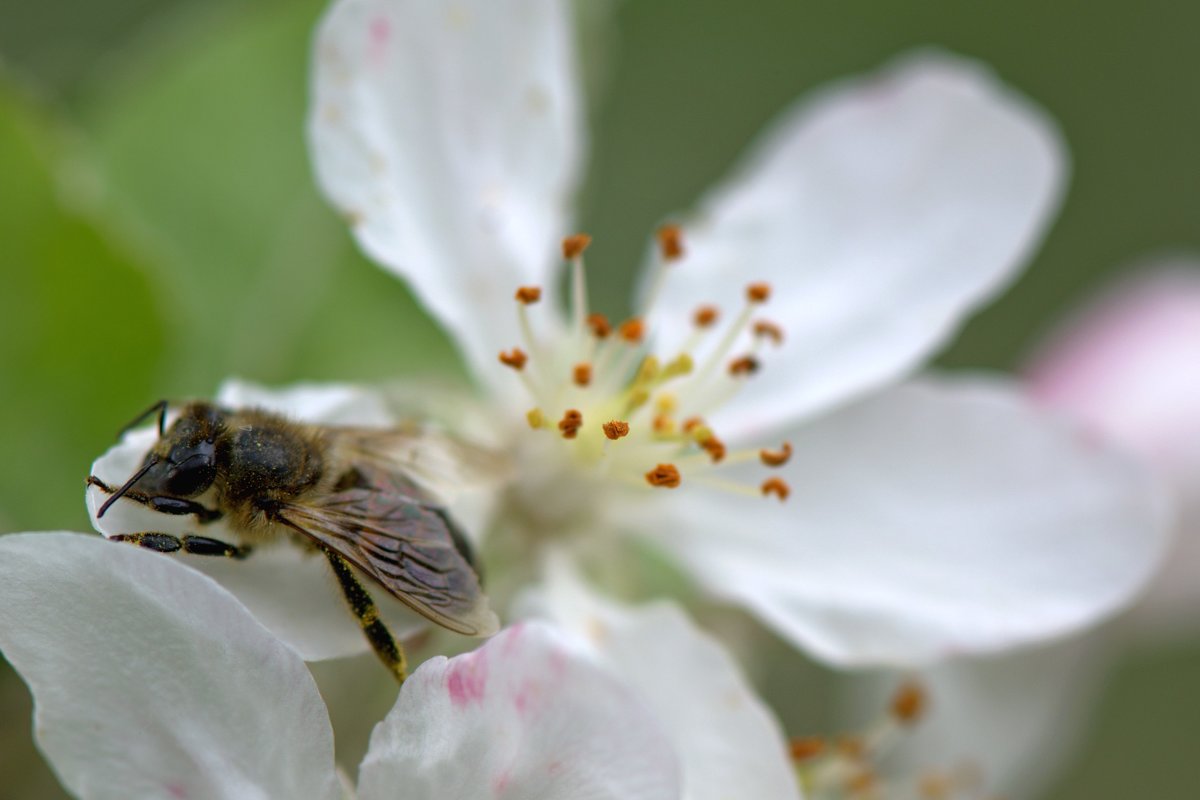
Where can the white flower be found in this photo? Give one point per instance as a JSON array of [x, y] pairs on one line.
[[150, 680], [924, 518], [1124, 367]]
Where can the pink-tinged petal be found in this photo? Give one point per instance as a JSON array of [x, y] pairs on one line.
[[728, 742], [936, 518], [450, 135], [528, 716], [287, 589], [881, 212], [1126, 366], [150, 680]]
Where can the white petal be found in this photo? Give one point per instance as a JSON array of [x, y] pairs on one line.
[[1125, 367], [288, 590], [1016, 719], [931, 519], [881, 212], [149, 680], [728, 742], [451, 136], [526, 717]]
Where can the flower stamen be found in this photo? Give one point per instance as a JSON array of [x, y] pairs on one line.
[[776, 458], [777, 487], [615, 429], [570, 424], [528, 295], [582, 374], [515, 358], [664, 476]]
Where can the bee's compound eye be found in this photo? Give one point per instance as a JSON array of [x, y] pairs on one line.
[[192, 476]]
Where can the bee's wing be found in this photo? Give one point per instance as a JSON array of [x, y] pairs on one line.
[[439, 462], [388, 529]]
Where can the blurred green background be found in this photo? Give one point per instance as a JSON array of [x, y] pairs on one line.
[[154, 185]]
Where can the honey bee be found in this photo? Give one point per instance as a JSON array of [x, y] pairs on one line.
[[342, 491]]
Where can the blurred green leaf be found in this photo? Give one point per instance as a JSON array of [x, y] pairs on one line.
[[200, 137], [79, 337]]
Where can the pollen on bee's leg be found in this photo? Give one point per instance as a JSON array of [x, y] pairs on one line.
[[615, 429], [574, 245], [706, 316], [664, 476], [776, 458], [528, 295], [758, 292], [745, 365], [908, 703], [599, 325], [582, 374], [776, 487], [570, 424], [514, 358], [765, 329], [670, 242], [805, 748]]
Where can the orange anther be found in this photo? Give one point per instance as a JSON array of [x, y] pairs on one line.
[[776, 487], [705, 316], [570, 424], [664, 423], [758, 292], [715, 448], [632, 330], [664, 475], [908, 703], [802, 748], [615, 429], [599, 325], [746, 365], [528, 294], [582, 374], [670, 242], [776, 458], [573, 246], [691, 423], [768, 330], [514, 358]]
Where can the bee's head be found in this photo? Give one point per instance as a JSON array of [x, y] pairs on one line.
[[183, 463]]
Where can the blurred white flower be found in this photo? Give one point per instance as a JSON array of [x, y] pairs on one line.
[[922, 519], [1124, 367], [150, 680]]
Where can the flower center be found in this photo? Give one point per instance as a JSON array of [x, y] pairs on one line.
[[628, 412]]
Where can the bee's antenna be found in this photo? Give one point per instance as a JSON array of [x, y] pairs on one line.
[[119, 493], [160, 407]]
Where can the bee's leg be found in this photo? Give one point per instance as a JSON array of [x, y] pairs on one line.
[[367, 613], [164, 505], [194, 545]]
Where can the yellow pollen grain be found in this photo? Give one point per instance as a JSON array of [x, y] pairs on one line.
[[599, 325], [776, 487], [528, 295], [758, 292], [536, 418], [670, 242], [573, 246], [706, 316], [681, 364], [615, 429], [776, 458], [582, 374], [514, 358], [570, 424], [664, 476], [745, 365]]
